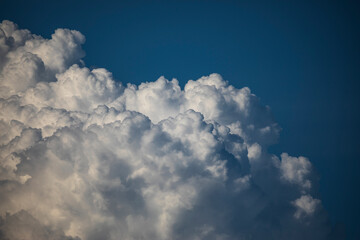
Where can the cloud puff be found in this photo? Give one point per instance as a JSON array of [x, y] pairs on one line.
[[84, 157]]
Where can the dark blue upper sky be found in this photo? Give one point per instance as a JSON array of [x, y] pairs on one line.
[[302, 58]]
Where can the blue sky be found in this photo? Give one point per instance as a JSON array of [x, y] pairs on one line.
[[299, 57]]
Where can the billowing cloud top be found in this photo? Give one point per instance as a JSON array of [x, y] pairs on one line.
[[84, 157]]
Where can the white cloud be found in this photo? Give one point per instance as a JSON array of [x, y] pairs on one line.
[[296, 170], [84, 157], [305, 205]]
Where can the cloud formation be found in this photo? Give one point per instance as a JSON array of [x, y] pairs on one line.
[[84, 157]]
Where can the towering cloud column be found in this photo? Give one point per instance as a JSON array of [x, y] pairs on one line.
[[84, 157]]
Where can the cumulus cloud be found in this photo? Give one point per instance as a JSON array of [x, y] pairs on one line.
[[306, 205], [84, 157]]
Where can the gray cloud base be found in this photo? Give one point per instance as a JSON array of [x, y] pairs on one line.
[[84, 157]]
